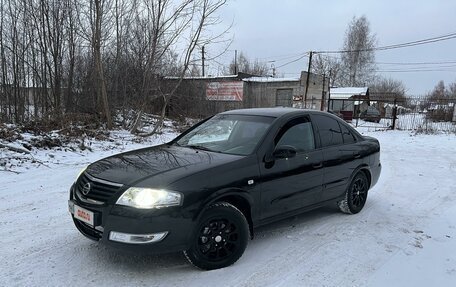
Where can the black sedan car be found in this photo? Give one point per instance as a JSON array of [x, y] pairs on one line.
[[206, 191]]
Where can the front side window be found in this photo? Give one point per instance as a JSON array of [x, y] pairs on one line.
[[233, 134], [297, 133]]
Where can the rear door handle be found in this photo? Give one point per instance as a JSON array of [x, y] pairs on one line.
[[317, 165], [357, 155]]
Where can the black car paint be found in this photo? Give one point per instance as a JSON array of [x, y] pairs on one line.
[[280, 188]]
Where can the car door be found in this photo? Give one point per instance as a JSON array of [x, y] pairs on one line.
[[292, 183], [340, 155]]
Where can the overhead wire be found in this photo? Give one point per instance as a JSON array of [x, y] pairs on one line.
[[414, 71], [292, 61], [282, 57], [395, 46], [444, 37], [416, 63]]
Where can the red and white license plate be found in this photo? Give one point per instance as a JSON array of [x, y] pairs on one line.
[[83, 214]]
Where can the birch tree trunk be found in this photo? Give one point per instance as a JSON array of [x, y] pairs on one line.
[[100, 83]]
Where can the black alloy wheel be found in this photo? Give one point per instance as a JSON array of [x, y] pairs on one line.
[[356, 195], [220, 239]]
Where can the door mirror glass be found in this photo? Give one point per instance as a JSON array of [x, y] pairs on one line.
[[284, 151]]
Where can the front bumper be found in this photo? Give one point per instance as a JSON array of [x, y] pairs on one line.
[[146, 231]]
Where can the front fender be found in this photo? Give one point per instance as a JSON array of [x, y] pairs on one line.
[[224, 193]]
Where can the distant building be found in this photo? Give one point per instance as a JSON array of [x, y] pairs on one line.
[[204, 96], [349, 101]]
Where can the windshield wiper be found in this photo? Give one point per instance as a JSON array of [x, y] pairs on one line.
[[200, 147]]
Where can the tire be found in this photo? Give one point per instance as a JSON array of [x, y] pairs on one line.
[[355, 195], [220, 238]]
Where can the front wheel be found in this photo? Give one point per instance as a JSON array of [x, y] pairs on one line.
[[356, 195], [220, 238]]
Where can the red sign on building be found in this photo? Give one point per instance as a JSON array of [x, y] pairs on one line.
[[225, 91]]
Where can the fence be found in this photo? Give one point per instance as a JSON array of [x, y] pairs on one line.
[[423, 114]]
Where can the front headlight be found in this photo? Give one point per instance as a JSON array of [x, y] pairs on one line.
[[147, 198]]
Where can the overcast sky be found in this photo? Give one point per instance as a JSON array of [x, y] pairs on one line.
[[278, 30]]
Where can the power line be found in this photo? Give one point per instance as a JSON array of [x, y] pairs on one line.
[[292, 61], [280, 58], [423, 67], [381, 48], [427, 71], [416, 63], [415, 70], [395, 46]]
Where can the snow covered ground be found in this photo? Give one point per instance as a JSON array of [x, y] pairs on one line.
[[405, 236]]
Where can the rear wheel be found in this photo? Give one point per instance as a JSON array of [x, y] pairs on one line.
[[356, 195], [220, 239]]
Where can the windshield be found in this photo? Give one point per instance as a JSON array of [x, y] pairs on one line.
[[233, 134]]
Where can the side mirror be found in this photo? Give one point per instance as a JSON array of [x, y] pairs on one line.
[[284, 151]]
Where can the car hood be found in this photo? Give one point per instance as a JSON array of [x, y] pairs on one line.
[[159, 165]]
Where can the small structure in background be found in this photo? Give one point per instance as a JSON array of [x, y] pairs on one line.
[[205, 96], [289, 92], [349, 102], [454, 113]]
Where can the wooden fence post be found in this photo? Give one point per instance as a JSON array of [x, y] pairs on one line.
[[394, 113]]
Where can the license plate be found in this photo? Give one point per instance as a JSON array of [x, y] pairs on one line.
[[83, 214]]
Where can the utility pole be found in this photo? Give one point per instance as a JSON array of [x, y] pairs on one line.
[[202, 59], [235, 62], [307, 79], [323, 93], [329, 90]]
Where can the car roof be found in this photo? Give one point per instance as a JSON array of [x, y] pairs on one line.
[[278, 112], [269, 112]]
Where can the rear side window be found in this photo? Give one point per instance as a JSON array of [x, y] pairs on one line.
[[329, 129], [347, 135]]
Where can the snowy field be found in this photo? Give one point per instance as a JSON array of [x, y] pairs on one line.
[[405, 236]]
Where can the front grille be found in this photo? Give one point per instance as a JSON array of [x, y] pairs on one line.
[[100, 190], [88, 231]]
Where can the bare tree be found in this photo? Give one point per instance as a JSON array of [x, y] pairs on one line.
[[452, 97], [358, 60], [388, 89], [245, 65], [439, 91], [124, 15], [98, 56], [195, 70], [99, 11], [172, 26], [14, 47], [440, 103], [452, 90], [71, 41], [329, 66], [54, 17], [3, 64]]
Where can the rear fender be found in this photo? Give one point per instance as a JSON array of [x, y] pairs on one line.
[[364, 168]]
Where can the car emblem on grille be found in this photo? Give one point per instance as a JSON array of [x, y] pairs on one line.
[[86, 188]]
